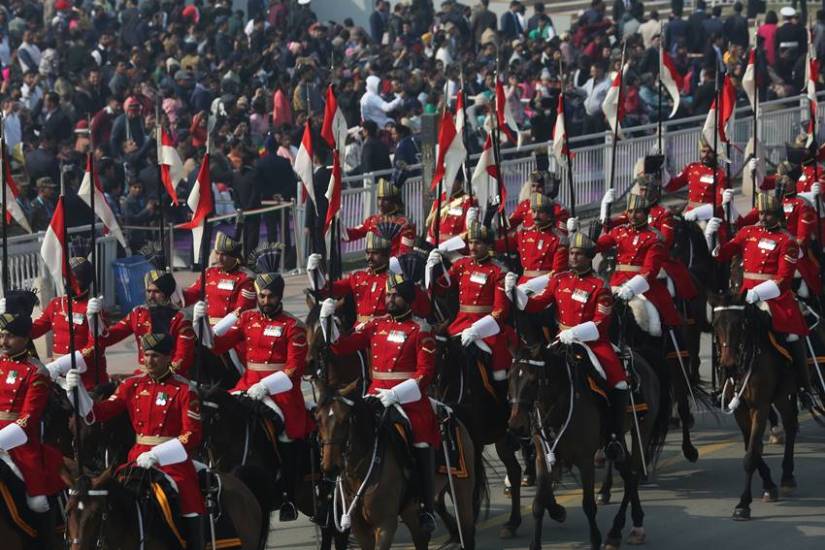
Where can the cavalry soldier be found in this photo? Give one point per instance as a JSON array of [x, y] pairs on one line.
[[454, 214], [479, 279], [541, 246], [390, 211], [55, 318], [698, 177], [366, 286], [158, 316], [640, 254], [800, 222], [165, 414], [584, 308], [769, 260], [24, 393], [523, 214], [402, 355], [229, 286], [275, 350]]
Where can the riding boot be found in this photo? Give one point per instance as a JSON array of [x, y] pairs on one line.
[[803, 379], [425, 461], [46, 525], [615, 448], [195, 532], [289, 473]]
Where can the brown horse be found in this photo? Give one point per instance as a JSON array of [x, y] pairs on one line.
[[103, 513], [375, 485], [757, 376]]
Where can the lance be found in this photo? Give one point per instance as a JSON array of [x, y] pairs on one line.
[[159, 125], [715, 166], [616, 130], [466, 167], [93, 240], [755, 118], [3, 168], [569, 155]]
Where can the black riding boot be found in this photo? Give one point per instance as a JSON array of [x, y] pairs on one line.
[[195, 532], [803, 378], [425, 461], [615, 448], [289, 471], [46, 525]]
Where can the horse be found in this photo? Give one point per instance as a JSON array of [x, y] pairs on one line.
[[756, 374], [354, 441], [102, 513]]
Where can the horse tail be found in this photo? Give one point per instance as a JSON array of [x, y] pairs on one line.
[[661, 422], [481, 489]]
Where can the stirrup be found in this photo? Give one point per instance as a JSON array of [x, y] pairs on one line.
[[288, 512], [614, 451], [426, 521], [805, 398]]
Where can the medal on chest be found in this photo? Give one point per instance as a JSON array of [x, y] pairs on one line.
[[478, 278], [396, 336], [455, 211], [274, 330], [580, 295], [226, 284], [78, 318], [767, 244], [787, 207], [636, 240], [161, 399], [540, 244], [11, 378]]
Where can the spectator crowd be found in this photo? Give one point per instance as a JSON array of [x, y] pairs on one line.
[[80, 75]]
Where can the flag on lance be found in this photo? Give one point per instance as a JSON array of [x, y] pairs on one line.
[[13, 209], [171, 167], [53, 248], [201, 203], [102, 208]]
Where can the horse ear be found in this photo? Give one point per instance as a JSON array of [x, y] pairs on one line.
[[349, 388]]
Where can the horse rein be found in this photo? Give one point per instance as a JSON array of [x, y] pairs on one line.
[[103, 515], [744, 356]]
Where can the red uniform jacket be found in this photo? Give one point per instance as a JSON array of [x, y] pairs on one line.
[[579, 299], [453, 217], [767, 255], [808, 177], [400, 350], [699, 180], [480, 293], [800, 222], [541, 250], [523, 215], [226, 291], [55, 318], [276, 344], [160, 410], [641, 252], [139, 323], [368, 290], [401, 244]]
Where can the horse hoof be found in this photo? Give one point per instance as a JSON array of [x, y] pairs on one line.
[[770, 495], [741, 514], [507, 532], [528, 480], [612, 544], [506, 491], [637, 536], [603, 499], [690, 453], [557, 513]]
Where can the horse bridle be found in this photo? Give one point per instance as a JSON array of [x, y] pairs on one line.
[[343, 440], [97, 493], [745, 348]]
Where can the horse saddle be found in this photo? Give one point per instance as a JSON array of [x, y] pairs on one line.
[[158, 495], [597, 384], [451, 439]]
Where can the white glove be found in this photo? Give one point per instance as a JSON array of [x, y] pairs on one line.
[[727, 196], [327, 308], [257, 392], [472, 215], [434, 258], [816, 189], [388, 398], [712, 226], [764, 291], [566, 337], [609, 197], [634, 286], [752, 297], [690, 216], [510, 281], [146, 460], [198, 311], [2, 306], [625, 293], [752, 164], [572, 225], [314, 261], [73, 380], [60, 366], [94, 306], [468, 336]]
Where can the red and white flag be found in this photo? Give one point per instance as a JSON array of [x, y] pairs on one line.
[[560, 145], [613, 104], [303, 164], [201, 203], [451, 153], [53, 248], [13, 209], [333, 193], [811, 73], [749, 79], [171, 167], [672, 81], [102, 208], [485, 175], [504, 116], [334, 132], [720, 114]]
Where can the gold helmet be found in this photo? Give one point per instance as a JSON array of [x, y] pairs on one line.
[[637, 202], [224, 244], [377, 242], [479, 232], [540, 202], [583, 242], [387, 190], [768, 202]]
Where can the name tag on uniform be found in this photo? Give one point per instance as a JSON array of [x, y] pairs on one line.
[[636, 240], [78, 318], [274, 330], [767, 244], [161, 399], [226, 284], [397, 336], [478, 278], [540, 245], [706, 178], [12, 377], [788, 208], [803, 177], [580, 295], [455, 211]]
